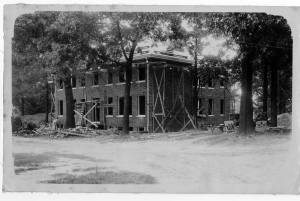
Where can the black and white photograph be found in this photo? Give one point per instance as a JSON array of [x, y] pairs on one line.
[[138, 99]]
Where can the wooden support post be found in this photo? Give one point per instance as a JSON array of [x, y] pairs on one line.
[[153, 107], [105, 110], [182, 73], [164, 89], [148, 96], [54, 96]]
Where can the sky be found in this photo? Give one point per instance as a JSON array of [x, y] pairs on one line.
[[211, 45]]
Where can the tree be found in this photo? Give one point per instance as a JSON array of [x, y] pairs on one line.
[[65, 50], [185, 32], [191, 31], [122, 32], [273, 58], [280, 58], [250, 31], [193, 42], [265, 90]]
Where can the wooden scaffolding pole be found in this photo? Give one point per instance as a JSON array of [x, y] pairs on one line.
[[148, 95], [159, 116], [105, 109]]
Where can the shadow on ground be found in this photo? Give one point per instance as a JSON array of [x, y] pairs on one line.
[[28, 161], [76, 156], [24, 162], [103, 177]]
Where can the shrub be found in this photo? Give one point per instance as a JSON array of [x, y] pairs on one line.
[[16, 123], [31, 126]]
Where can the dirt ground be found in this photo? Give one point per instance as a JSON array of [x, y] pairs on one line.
[[189, 162]]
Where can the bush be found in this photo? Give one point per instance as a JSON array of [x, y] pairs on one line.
[[31, 126], [16, 123]]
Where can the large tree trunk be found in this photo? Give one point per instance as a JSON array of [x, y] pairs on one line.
[[69, 117], [47, 102], [274, 88], [195, 88], [128, 70], [246, 125], [282, 97], [22, 106], [281, 103], [265, 92]]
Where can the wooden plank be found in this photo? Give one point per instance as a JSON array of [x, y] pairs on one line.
[[76, 134], [191, 120], [188, 114], [159, 123], [85, 118], [90, 110], [41, 128], [161, 99], [158, 92], [185, 125], [36, 132]]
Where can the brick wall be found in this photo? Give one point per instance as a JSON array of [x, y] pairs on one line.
[[104, 90], [216, 93]]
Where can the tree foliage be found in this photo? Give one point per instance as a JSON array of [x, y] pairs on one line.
[[251, 31], [29, 74]]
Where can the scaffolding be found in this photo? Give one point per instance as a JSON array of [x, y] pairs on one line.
[[51, 83], [169, 110], [83, 109]]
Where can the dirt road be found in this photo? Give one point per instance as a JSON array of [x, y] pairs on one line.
[[191, 162]]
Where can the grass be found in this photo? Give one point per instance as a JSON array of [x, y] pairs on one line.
[[104, 177]]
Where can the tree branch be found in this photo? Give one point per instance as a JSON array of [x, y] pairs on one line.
[[134, 44], [121, 40]]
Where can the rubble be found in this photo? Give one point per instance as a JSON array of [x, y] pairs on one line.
[[45, 130]]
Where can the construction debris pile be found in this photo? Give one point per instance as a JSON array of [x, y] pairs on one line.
[[45, 130]]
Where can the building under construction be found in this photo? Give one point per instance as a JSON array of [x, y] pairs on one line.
[[160, 96]]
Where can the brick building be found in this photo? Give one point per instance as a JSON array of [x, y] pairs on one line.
[[161, 96], [214, 103]]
